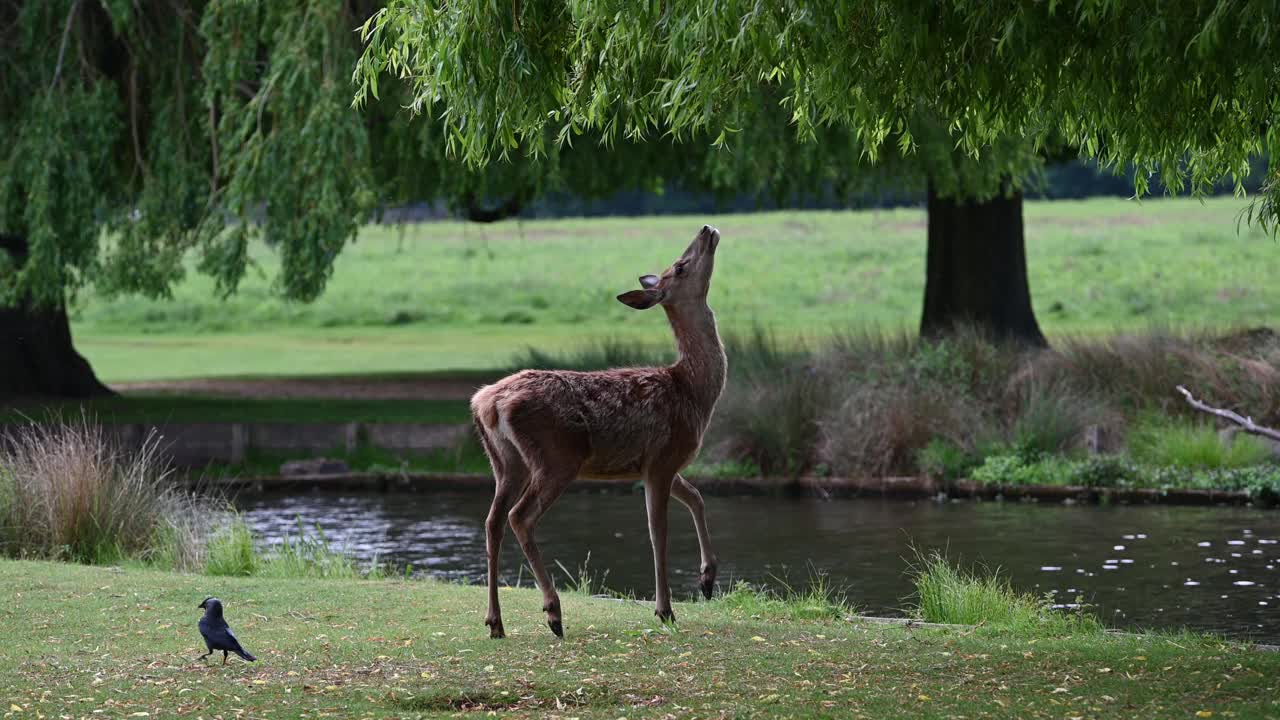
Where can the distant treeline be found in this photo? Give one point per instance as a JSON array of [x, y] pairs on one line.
[[1069, 180]]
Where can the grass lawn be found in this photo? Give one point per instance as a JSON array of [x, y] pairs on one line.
[[207, 409], [442, 296], [97, 642]]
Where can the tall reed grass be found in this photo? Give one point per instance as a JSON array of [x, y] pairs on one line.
[[67, 491]]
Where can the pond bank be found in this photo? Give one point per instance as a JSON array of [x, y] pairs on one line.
[[907, 488]]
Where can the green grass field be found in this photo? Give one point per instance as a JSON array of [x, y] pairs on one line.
[[81, 641], [199, 408], [447, 295]]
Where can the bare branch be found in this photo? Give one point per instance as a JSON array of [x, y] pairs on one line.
[[62, 47], [1246, 423]]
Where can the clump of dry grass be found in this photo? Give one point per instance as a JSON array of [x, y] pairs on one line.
[[67, 491], [880, 427], [1138, 372]]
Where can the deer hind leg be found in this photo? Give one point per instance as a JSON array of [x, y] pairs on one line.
[[657, 492], [511, 475], [543, 490], [686, 493]]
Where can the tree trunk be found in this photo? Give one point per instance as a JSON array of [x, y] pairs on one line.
[[976, 272], [36, 355]]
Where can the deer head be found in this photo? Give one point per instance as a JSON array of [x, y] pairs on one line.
[[686, 281]]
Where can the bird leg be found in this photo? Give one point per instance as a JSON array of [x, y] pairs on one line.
[[205, 655], [224, 657]]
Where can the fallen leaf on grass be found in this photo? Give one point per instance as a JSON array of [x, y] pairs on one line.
[[1204, 713], [757, 638]]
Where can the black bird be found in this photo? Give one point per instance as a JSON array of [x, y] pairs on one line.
[[217, 635]]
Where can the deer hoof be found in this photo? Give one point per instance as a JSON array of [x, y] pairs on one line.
[[496, 631], [556, 627], [707, 582], [666, 616]]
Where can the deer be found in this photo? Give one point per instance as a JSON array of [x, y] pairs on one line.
[[543, 429]]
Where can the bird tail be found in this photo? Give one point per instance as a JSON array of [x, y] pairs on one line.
[[245, 654]]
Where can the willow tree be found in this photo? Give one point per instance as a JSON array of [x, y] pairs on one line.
[[144, 140], [969, 91]]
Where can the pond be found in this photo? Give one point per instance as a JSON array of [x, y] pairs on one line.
[[1211, 569]]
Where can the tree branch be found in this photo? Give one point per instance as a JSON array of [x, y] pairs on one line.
[[1245, 423], [62, 47]]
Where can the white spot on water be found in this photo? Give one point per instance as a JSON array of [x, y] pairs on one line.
[[1118, 547], [1190, 583], [1244, 583], [1205, 543], [1051, 568]]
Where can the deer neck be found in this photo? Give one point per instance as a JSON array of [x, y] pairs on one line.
[[701, 360]]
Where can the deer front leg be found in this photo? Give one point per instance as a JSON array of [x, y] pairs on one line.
[[657, 491], [686, 493]]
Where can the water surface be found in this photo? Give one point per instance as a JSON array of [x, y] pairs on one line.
[[1212, 569]]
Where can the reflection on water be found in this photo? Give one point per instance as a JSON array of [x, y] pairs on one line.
[[1214, 569]]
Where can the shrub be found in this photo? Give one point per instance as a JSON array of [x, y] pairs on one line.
[[1104, 471], [946, 460], [948, 594], [68, 492], [1016, 469], [1160, 441]]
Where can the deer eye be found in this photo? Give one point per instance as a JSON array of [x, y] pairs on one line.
[[679, 270]]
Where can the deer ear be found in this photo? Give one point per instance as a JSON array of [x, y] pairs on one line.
[[640, 299]]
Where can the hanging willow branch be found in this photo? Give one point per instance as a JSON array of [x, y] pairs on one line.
[[1246, 423], [62, 47]]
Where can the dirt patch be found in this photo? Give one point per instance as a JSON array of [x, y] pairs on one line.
[[335, 388]]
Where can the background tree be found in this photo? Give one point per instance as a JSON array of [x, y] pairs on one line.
[[1185, 92]]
